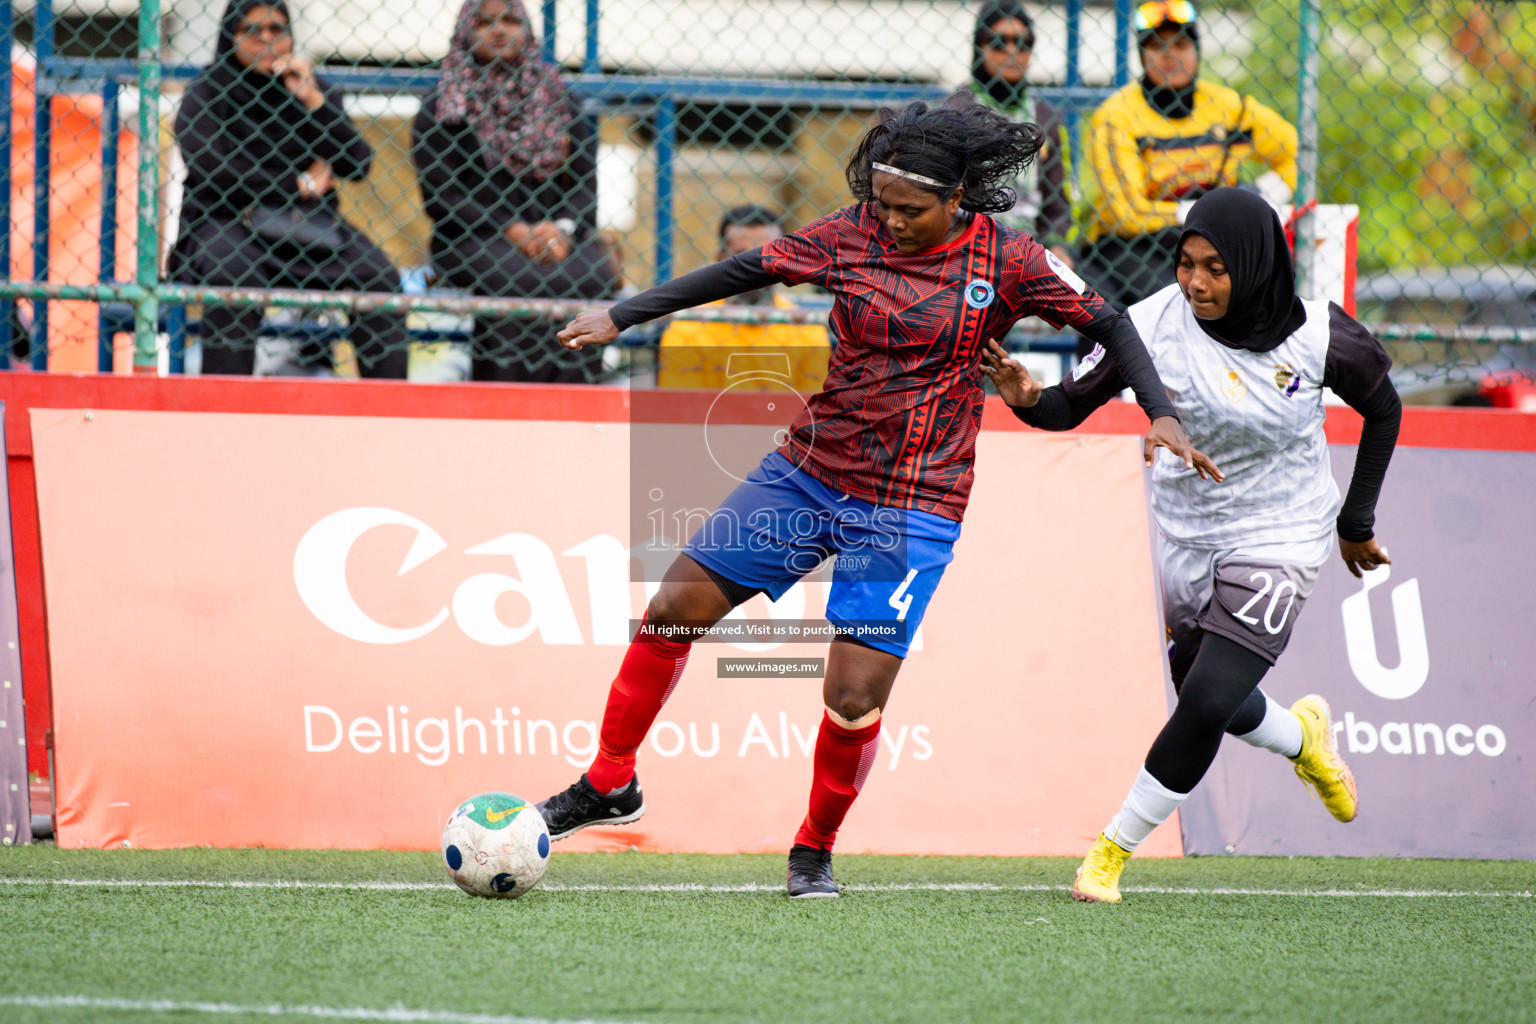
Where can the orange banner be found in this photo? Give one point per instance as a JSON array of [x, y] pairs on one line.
[[305, 631]]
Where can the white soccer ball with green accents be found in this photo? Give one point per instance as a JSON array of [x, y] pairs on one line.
[[495, 845]]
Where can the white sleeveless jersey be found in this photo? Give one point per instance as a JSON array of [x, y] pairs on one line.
[[1258, 415]]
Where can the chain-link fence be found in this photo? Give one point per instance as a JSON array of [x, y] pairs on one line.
[[362, 188]]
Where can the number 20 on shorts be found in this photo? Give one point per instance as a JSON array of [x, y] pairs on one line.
[[1272, 627]]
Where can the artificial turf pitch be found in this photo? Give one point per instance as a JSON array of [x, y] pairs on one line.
[[646, 937]]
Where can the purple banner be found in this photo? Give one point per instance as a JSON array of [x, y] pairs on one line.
[[1429, 667], [15, 795]]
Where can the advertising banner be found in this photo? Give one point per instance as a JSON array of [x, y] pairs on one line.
[[1427, 666], [15, 793], [301, 631]]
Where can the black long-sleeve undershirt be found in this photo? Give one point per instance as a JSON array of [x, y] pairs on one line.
[[1055, 410], [741, 273], [1118, 336], [1383, 412], [745, 272]]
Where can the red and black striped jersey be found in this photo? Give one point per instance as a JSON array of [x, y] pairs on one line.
[[896, 422]]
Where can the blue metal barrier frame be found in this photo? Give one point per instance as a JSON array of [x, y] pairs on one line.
[[659, 95], [42, 176], [107, 272]]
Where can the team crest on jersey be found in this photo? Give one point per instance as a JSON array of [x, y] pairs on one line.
[[1287, 379], [979, 294], [1233, 385]]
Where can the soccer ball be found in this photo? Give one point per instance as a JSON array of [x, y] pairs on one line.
[[495, 845]]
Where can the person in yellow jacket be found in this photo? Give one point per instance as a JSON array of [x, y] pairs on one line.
[[1166, 139], [697, 353]]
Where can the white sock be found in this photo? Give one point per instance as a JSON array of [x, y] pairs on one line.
[[1147, 805], [1280, 730]]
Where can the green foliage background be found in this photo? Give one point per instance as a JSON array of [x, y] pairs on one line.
[[1401, 109]]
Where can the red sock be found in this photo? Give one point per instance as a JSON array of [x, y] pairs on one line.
[[651, 669], [843, 759]]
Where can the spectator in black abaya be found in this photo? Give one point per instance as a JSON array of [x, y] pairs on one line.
[[506, 165], [265, 141]]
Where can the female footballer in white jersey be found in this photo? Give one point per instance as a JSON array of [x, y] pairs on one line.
[[1245, 362]]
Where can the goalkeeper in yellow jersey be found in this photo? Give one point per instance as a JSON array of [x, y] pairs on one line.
[[1163, 139]]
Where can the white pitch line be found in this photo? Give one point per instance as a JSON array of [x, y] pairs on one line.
[[395, 1013], [754, 887], [1414, 893]]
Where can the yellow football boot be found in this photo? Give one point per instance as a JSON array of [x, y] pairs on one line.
[[1098, 880], [1319, 764]]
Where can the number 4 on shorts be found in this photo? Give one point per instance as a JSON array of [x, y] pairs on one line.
[[901, 600]]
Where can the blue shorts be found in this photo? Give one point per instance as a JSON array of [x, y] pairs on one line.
[[781, 523]]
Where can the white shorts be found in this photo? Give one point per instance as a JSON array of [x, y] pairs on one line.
[[1251, 595]]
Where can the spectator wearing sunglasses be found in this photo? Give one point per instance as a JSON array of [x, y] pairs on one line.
[[266, 141], [1167, 138], [1001, 48]]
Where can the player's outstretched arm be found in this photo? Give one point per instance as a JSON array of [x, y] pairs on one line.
[[1357, 371], [1118, 336], [591, 327], [1059, 407], [741, 273]]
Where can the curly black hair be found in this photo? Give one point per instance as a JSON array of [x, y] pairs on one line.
[[972, 147]]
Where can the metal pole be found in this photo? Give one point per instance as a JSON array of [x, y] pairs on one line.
[[1305, 198], [666, 154], [147, 311], [176, 337], [7, 40], [1123, 38], [107, 267], [1074, 43], [42, 184], [1074, 80], [547, 44], [590, 65]]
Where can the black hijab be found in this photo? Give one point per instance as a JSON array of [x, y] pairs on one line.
[[1245, 230], [259, 116], [230, 23], [251, 119], [247, 88], [1007, 95]]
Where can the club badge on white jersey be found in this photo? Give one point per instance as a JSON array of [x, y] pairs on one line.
[[1258, 415]]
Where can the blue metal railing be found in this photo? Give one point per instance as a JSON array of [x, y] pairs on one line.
[[42, 180], [547, 11], [107, 273], [1123, 41], [657, 95]]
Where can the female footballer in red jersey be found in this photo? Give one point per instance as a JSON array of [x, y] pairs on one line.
[[879, 462]]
